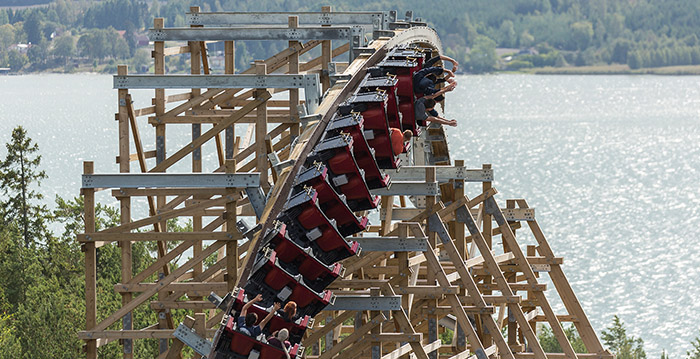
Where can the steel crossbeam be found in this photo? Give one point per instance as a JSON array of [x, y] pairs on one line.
[[375, 20], [409, 189], [161, 180], [250, 33], [310, 83], [365, 302], [392, 244], [444, 173]]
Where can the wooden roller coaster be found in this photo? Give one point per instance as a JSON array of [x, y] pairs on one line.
[[305, 158]]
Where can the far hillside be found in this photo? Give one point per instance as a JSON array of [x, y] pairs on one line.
[[95, 35]]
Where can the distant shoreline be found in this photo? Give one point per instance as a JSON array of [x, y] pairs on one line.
[[686, 70], [615, 70]]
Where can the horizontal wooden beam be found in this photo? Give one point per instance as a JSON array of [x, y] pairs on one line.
[[144, 192], [135, 156], [395, 337], [187, 119], [190, 304], [132, 334], [188, 287], [158, 236]]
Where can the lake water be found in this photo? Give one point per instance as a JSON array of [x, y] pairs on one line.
[[611, 164]]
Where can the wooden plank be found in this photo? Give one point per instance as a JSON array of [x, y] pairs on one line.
[[90, 264], [132, 334], [261, 130], [179, 286], [157, 236], [135, 156], [196, 305], [395, 337], [169, 51], [144, 192], [214, 120], [293, 68]]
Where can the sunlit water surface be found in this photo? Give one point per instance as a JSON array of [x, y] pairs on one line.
[[611, 164]]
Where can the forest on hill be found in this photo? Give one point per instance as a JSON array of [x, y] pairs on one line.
[[89, 35]]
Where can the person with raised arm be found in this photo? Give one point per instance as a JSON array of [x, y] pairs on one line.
[[246, 321]]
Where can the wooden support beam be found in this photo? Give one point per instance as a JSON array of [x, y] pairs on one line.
[[90, 264], [157, 236]]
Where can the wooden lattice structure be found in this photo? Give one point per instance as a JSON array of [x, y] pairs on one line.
[[430, 264]]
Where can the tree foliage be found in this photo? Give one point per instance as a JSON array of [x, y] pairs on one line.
[[19, 179], [623, 346], [695, 352], [550, 344]]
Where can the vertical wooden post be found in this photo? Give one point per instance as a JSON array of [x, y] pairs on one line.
[[487, 226], [402, 258], [430, 176], [159, 100], [261, 129], [125, 207], [231, 246], [196, 64], [200, 327], [230, 68], [159, 103], [90, 264], [459, 235], [294, 129], [376, 351], [326, 57], [388, 207]]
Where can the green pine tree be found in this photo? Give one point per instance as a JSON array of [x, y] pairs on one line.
[[624, 347], [695, 353], [19, 176]]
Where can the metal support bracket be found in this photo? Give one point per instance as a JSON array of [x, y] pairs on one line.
[[365, 302], [409, 188], [392, 244], [192, 340], [257, 200]]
